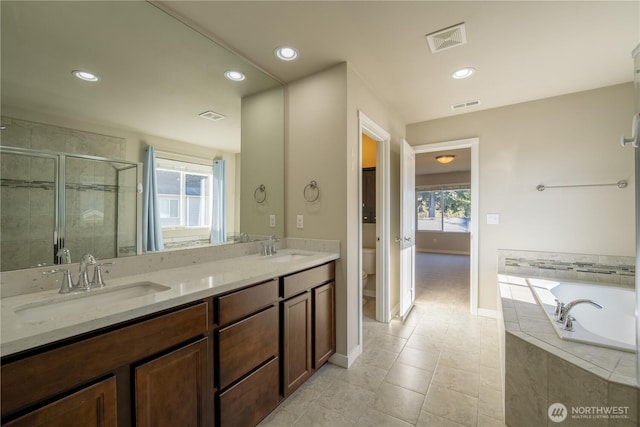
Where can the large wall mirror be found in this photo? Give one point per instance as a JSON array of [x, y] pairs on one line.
[[72, 149]]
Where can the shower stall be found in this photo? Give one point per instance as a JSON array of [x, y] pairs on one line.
[[52, 200]]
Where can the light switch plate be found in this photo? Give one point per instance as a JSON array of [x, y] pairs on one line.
[[300, 221], [272, 221], [493, 218]]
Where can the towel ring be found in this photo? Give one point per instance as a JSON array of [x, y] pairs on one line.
[[309, 191], [260, 194]]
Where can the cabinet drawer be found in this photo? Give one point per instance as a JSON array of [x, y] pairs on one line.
[[246, 345], [300, 282], [249, 401], [239, 304]]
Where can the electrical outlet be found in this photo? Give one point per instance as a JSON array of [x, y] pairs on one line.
[[272, 221], [300, 221]]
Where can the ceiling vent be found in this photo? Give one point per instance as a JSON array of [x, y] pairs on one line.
[[447, 38], [212, 116], [464, 105]]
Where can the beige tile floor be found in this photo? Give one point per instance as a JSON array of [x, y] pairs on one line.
[[439, 368]]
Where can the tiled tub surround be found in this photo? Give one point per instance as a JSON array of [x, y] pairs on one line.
[[541, 369], [616, 270], [190, 275]]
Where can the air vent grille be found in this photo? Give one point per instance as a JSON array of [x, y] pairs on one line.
[[447, 38], [467, 104], [212, 116]]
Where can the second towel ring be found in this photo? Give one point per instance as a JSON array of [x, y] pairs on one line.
[[260, 194], [311, 192]]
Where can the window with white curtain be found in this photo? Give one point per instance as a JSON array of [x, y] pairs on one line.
[[184, 194]]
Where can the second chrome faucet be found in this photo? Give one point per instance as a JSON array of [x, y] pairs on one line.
[[562, 311]]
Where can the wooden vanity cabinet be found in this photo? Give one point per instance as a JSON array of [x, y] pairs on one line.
[[307, 322], [369, 195], [247, 363], [227, 360], [152, 371], [94, 405]]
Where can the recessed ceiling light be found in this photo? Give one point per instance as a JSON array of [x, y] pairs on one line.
[[286, 53], [236, 76], [463, 73], [85, 75]]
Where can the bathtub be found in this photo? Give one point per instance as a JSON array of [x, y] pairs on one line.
[[613, 326]]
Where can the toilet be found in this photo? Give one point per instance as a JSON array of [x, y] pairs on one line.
[[368, 268]]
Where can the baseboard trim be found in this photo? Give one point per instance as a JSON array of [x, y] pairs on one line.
[[394, 311], [487, 313], [346, 361]]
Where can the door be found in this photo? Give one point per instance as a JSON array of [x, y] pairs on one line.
[[91, 406], [407, 229], [171, 390], [296, 342], [324, 324]]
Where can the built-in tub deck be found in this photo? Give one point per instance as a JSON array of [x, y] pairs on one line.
[[541, 369]]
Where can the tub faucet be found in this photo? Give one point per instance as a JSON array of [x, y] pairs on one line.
[[83, 277], [567, 308]]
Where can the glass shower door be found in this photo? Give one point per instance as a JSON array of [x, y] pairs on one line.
[[29, 194], [100, 207]]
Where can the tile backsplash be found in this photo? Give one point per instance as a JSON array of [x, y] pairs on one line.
[[618, 270]]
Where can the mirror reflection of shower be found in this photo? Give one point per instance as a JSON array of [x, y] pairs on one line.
[[54, 200]]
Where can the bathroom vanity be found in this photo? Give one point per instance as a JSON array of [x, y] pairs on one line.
[[218, 348]]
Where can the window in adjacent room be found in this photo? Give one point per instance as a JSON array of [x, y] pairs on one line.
[[184, 194], [446, 210]]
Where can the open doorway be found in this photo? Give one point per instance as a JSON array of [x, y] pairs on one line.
[[447, 217], [443, 218], [378, 232], [368, 225]]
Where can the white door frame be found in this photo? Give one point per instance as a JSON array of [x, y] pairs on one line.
[[474, 144], [383, 229]]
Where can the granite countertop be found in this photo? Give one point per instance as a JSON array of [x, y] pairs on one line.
[[524, 318], [177, 286]]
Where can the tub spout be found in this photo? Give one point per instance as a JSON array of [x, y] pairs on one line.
[[567, 308]]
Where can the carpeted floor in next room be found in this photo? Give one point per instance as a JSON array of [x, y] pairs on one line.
[[440, 368]]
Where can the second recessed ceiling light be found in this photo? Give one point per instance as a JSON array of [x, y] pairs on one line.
[[287, 53], [463, 73]]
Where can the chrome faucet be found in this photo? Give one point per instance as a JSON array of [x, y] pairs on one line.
[[67, 283], [83, 278], [564, 312], [65, 255], [270, 248]]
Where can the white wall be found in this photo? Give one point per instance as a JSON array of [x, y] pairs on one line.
[[570, 139], [322, 145]]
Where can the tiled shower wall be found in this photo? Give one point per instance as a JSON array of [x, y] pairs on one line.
[[27, 213]]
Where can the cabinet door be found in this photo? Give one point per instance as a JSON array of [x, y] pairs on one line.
[[92, 406], [172, 390], [296, 341], [369, 195], [324, 326]]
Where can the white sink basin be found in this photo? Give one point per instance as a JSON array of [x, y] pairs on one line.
[[287, 257], [65, 305]]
